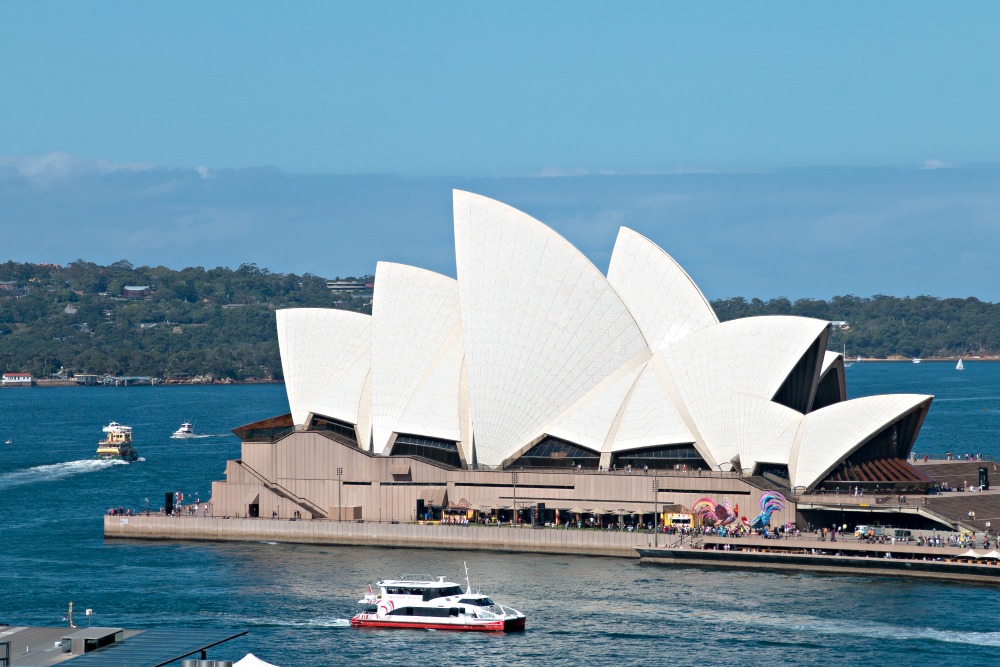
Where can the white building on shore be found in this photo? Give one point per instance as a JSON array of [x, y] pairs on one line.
[[533, 359]]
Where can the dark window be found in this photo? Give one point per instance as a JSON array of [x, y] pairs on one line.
[[774, 471], [829, 390], [435, 449], [556, 453], [434, 593], [342, 431], [660, 458], [435, 612], [402, 611], [480, 602], [797, 390]]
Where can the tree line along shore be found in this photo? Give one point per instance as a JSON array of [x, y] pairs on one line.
[[174, 325]]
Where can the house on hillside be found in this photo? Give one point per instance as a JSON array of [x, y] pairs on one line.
[[137, 292]]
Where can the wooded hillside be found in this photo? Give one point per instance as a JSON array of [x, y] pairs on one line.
[[217, 322], [220, 322]]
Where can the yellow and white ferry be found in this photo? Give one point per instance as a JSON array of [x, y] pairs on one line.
[[117, 444]]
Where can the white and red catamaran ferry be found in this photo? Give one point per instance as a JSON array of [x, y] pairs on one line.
[[420, 601]]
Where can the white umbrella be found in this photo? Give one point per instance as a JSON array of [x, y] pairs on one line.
[[250, 660]]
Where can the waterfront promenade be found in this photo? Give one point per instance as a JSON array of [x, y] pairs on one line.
[[802, 553], [410, 535]]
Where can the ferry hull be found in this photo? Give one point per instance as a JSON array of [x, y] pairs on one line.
[[508, 625]]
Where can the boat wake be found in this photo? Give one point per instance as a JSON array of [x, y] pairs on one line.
[[320, 622], [870, 630], [55, 471], [198, 437]]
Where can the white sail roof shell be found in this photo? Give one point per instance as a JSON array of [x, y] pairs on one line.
[[541, 325], [750, 356], [829, 359], [661, 296], [830, 435], [588, 422], [325, 356], [416, 354], [650, 417], [765, 430]]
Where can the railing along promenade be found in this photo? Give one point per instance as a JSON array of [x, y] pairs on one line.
[[475, 537]]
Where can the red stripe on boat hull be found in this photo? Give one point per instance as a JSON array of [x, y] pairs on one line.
[[511, 625]]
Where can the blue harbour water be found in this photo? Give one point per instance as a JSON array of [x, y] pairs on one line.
[[296, 600]]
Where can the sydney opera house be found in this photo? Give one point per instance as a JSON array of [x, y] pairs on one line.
[[534, 380]]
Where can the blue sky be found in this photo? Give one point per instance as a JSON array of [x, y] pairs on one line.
[[749, 122]]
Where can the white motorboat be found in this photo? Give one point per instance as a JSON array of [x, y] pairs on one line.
[[423, 602], [185, 431], [917, 360]]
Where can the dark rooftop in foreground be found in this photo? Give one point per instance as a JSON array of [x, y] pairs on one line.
[[108, 647]]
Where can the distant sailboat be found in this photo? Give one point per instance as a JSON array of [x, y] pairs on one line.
[[959, 366], [847, 364]]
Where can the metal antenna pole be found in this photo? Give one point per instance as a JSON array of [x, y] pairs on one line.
[[513, 478], [340, 485], [656, 512]]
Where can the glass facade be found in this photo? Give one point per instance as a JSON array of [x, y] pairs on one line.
[[557, 453], [343, 431], [434, 449], [661, 458]]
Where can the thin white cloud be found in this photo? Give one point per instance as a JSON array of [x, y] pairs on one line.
[[58, 165], [561, 172], [936, 164]]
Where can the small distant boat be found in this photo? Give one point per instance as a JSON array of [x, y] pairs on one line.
[[959, 366], [8, 441], [917, 360], [117, 444], [185, 431]]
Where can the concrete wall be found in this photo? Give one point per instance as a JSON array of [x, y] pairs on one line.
[[529, 540], [306, 464]]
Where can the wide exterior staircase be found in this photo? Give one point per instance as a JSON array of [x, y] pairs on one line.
[[960, 473], [770, 482], [281, 491], [956, 505]]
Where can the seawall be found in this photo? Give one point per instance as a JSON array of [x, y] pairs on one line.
[[408, 535], [810, 555]]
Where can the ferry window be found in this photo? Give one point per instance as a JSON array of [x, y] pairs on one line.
[[432, 593], [433, 611], [478, 602], [404, 611], [453, 611]]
